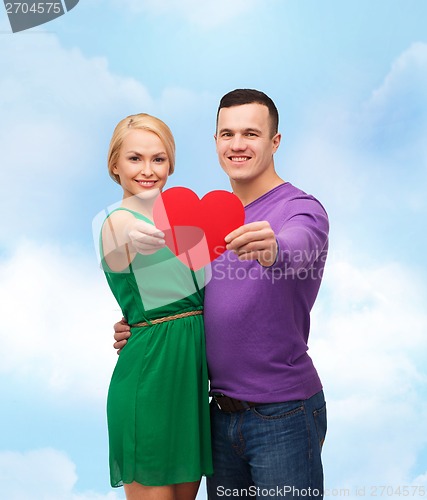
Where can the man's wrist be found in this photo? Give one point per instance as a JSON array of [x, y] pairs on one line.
[[269, 260]]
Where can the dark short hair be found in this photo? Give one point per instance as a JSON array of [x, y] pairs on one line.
[[239, 97]]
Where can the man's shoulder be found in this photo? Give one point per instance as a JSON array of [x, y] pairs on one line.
[[288, 193], [282, 203], [297, 195]]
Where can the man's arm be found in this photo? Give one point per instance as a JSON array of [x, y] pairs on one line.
[[121, 334], [296, 246], [303, 237]]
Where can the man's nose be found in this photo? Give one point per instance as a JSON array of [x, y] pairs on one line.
[[238, 143]]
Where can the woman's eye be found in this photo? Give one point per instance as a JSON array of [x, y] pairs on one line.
[[159, 160], [133, 158]]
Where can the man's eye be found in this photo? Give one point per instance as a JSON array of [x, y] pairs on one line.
[[226, 134]]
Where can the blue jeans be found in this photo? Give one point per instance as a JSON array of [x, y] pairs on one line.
[[270, 451]]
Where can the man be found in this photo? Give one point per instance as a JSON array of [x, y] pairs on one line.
[[268, 412]]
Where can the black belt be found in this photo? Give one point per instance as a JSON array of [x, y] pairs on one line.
[[232, 405]]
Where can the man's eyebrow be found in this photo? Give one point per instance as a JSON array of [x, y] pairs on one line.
[[250, 129], [246, 130]]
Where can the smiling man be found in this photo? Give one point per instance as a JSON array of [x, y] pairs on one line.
[[268, 412]]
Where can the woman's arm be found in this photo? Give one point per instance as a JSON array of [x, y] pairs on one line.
[[123, 236]]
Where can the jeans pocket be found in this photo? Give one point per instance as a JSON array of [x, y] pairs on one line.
[[273, 411], [321, 424]]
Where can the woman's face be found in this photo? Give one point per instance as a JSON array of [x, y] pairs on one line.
[[143, 164]]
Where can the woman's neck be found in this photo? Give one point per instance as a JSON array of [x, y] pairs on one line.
[[141, 204]]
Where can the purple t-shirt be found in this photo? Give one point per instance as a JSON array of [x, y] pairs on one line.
[[257, 319]]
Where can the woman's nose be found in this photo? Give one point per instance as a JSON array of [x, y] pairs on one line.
[[146, 169]]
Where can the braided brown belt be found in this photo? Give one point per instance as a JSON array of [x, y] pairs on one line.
[[168, 318]]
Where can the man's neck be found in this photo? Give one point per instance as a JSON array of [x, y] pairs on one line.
[[252, 190]]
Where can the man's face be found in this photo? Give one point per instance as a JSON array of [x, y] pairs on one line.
[[244, 143]]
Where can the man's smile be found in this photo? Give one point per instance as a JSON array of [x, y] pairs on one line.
[[239, 159]]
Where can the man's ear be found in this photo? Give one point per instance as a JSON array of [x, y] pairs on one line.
[[216, 141], [276, 142]]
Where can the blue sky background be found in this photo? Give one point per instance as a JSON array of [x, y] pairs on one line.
[[350, 81]]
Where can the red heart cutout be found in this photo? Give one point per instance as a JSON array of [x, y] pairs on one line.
[[195, 229]]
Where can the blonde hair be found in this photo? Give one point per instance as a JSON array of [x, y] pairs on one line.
[[141, 121]]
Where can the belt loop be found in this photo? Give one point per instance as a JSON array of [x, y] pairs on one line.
[[245, 404]]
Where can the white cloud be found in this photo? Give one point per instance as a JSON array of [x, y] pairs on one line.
[[58, 306], [395, 116], [368, 342], [405, 84], [44, 474], [201, 13], [421, 482]]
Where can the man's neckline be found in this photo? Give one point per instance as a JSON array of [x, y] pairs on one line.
[[267, 193]]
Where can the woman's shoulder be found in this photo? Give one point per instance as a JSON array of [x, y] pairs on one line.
[[124, 213]]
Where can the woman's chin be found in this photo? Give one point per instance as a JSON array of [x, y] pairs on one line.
[[148, 194]]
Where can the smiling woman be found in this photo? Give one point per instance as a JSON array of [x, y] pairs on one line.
[[159, 446]]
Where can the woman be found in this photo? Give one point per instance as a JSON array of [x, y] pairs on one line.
[[157, 409]]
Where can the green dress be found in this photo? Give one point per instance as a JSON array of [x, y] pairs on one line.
[[157, 407]]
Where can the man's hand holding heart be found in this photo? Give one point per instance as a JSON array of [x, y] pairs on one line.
[[254, 241]]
